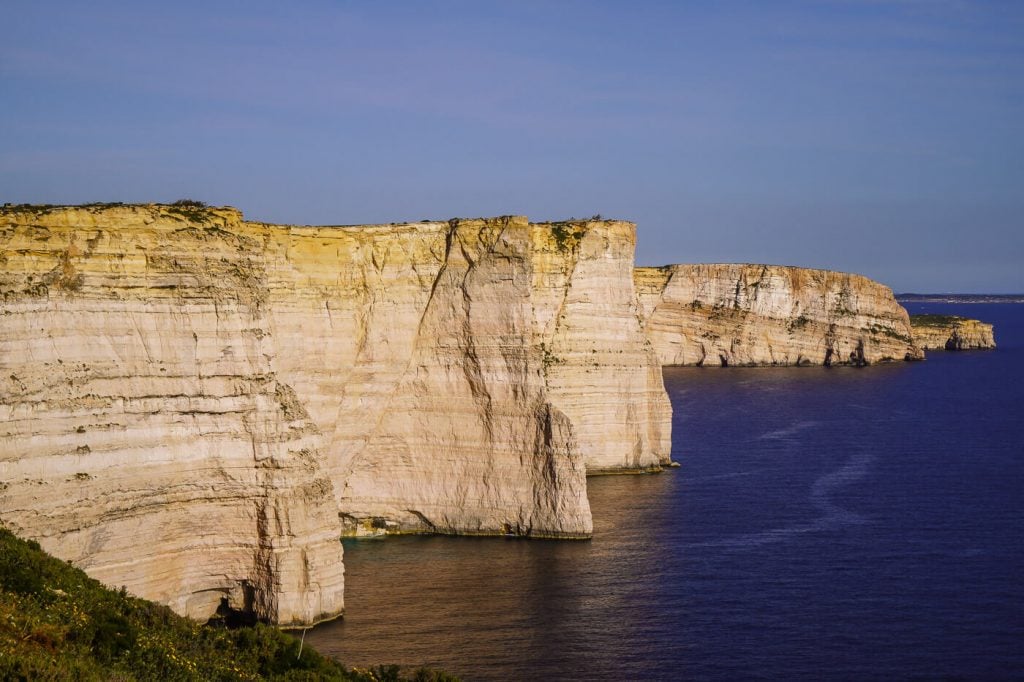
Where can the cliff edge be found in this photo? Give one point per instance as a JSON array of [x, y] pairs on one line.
[[741, 314]]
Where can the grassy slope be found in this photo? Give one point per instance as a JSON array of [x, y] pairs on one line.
[[56, 623]]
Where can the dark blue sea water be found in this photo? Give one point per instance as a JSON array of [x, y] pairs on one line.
[[826, 524]]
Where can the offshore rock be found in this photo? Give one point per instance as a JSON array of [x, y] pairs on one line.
[[949, 332], [741, 314], [197, 407]]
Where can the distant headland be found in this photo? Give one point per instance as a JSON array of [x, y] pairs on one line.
[[960, 298]]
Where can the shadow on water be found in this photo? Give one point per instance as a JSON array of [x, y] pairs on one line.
[[826, 523]]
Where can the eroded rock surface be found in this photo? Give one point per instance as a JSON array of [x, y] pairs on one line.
[[949, 332], [738, 314], [197, 407], [469, 373], [145, 435]]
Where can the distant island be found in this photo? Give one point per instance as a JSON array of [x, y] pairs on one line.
[[960, 298]]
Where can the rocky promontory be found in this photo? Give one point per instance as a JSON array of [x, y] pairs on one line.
[[742, 314], [197, 407], [949, 332]]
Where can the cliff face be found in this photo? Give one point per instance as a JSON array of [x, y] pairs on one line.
[[411, 346], [771, 315], [197, 407], [599, 367], [145, 436], [446, 364], [949, 332]]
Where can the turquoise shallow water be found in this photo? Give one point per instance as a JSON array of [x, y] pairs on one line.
[[826, 524]]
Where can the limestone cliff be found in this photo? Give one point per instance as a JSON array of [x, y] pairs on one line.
[[599, 367], [736, 314], [196, 406], [145, 435], [467, 374], [949, 332]]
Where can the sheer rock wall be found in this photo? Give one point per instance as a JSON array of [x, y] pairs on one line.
[[738, 314], [197, 407]]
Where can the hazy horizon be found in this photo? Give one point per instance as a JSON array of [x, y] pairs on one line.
[[882, 137]]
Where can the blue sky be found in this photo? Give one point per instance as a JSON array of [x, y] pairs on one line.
[[884, 137]]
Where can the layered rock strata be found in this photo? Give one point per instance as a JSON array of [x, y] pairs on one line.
[[145, 436], [197, 407], [739, 314], [468, 374], [949, 332], [598, 365]]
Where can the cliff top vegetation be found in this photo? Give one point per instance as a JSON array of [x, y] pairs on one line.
[[935, 320]]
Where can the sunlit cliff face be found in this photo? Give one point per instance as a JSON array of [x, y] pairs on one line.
[[197, 407], [771, 315], [948, 332]]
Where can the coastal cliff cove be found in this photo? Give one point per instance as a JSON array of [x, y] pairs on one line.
[[197, 407], [243, 394]]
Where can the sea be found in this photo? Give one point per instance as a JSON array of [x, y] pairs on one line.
[[825, 524]]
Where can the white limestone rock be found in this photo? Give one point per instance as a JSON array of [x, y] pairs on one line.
[[197, 407], [741, 314]]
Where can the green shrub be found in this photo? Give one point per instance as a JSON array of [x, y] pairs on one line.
[[567, 235], [932, 320]]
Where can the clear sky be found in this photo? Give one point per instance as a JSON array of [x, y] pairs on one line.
[[884, 137]]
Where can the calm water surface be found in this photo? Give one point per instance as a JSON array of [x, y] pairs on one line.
[[826, 523]]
